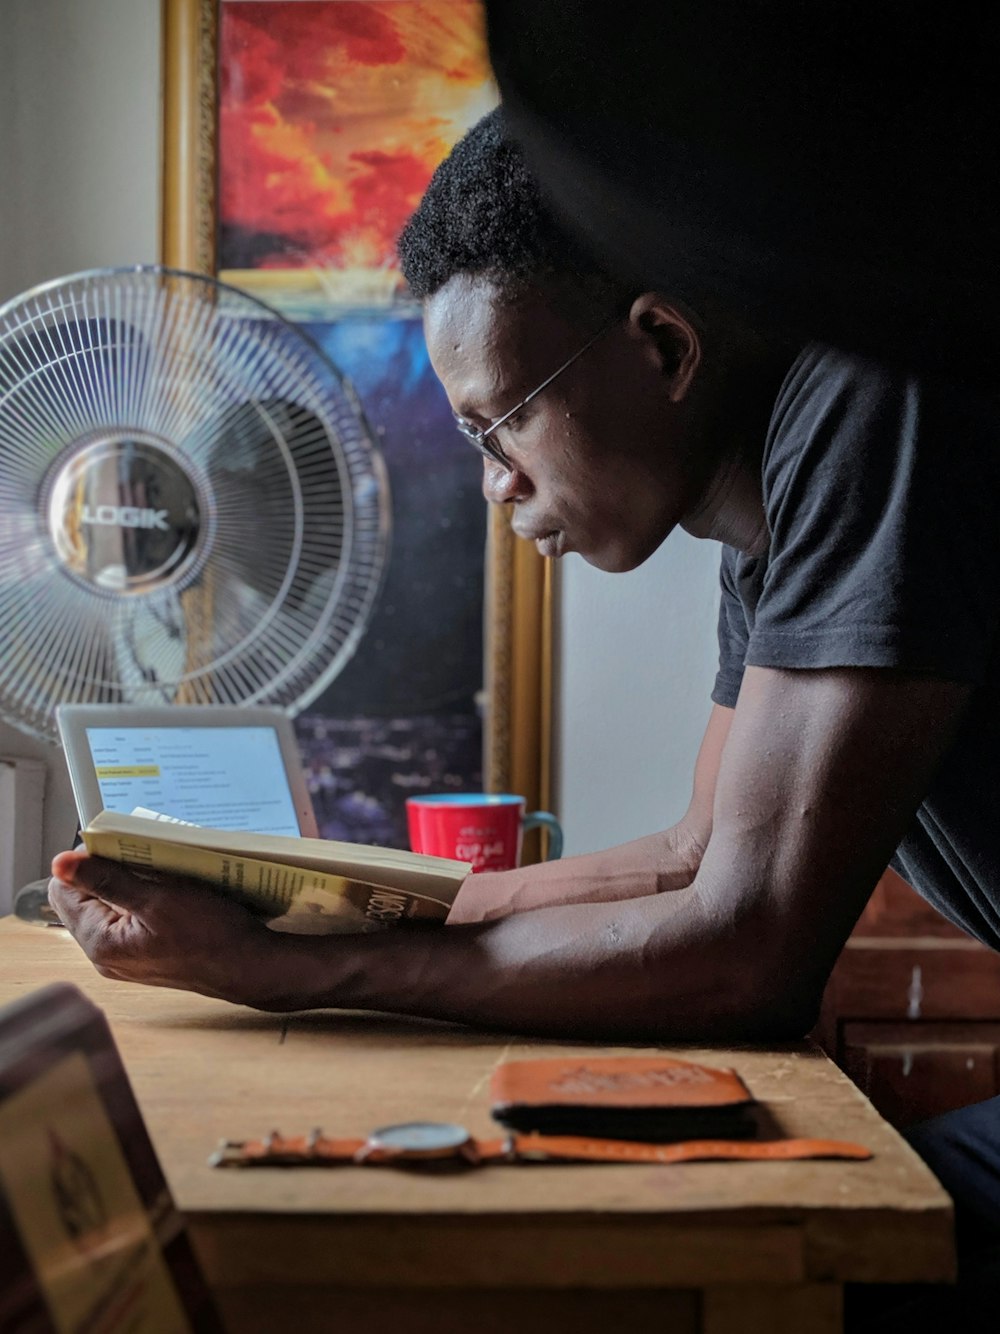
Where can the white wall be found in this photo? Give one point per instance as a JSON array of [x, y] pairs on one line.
[[81, 92], [79, 152], [637, 657], [79, 182]]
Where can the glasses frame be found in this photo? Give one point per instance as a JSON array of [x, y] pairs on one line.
[[482, 439]]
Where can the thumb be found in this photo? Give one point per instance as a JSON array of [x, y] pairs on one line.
[[102, 879], [66, 864]]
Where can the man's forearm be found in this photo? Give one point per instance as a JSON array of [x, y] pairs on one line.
[[654, 968], [633, 870], [646, 866]]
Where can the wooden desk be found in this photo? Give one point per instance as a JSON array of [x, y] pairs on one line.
[[711, 1247]]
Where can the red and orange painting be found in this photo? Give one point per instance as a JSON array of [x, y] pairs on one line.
[[333, 115]]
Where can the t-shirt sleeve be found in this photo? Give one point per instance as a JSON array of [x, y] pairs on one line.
[[733, 634], [880, 492]]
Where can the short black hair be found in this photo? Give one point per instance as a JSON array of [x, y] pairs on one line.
[[484, 214]]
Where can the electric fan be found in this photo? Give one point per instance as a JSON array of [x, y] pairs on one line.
[[192, 506]]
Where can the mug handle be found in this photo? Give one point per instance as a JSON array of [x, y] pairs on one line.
[[542, 819]]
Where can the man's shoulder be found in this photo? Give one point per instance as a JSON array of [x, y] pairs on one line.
[[838, 410], [819, 371]]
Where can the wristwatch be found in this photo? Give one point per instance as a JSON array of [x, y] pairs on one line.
[[438, 1144]]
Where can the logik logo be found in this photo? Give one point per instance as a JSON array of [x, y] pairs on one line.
[[125, 516]]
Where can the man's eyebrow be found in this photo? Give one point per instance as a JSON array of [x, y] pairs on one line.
[[502, 397], [470, 406]]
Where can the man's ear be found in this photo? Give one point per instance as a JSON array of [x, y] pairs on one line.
[[670, 338]]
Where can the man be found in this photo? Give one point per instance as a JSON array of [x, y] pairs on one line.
[[854, 708], [855, 715]]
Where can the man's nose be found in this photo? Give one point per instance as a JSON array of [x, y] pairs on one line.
[[503, 485]]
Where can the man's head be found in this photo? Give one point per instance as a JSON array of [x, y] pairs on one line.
[[603, 460]]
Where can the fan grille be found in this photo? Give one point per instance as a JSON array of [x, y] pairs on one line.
[[192, 506]]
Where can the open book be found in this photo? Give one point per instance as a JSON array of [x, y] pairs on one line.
[[306, 885]]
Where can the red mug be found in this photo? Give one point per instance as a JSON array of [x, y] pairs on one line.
[[484, 828]]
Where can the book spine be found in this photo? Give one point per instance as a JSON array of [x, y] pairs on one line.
[[305, 900]]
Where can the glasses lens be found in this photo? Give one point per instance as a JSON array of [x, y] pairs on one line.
[[484, 443]]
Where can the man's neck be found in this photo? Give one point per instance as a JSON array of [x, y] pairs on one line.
[[730, 506], [731, 509]]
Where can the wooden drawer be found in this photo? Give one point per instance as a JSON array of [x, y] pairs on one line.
[[911, 1071], [929, 978], [912, 1009]]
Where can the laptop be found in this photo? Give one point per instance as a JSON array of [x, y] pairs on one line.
[[221, 766]]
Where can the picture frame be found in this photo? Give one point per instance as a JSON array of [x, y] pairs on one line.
[[90, 1235], [519, 586]]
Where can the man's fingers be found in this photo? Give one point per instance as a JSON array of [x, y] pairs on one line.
[[77, 908], [99, 878], [164, 930], [65, 864]]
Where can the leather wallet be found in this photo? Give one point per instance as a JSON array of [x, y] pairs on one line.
[[652, 1099]]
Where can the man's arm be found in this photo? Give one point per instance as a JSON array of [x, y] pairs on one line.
[[650, 865], [820, 774]]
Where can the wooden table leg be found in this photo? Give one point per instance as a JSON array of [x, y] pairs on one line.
[[329, 1310], [814, 1307]]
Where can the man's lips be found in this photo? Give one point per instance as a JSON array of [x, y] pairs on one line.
[[550, 541]]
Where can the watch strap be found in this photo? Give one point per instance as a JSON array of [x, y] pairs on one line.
[[316, 1150], [576, 1148], [278, 1150]]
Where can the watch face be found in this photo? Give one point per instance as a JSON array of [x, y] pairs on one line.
[[422, 1139]]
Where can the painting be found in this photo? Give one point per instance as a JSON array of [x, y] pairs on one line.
[[299, 136], [404, 716], [332, 118]]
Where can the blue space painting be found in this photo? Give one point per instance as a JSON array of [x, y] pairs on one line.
[[403, 716]]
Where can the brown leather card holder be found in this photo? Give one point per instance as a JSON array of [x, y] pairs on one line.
[[656, 1099]]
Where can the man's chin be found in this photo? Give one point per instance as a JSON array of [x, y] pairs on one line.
[[612, 558], [609, 564], [616, 559], [552, 545]]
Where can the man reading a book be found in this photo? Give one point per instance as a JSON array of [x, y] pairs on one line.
[[854, 704], [855, 717]]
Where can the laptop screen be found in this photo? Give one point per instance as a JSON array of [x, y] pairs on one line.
[[220, 777]]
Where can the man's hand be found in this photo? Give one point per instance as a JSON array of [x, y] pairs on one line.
[[164, 931]]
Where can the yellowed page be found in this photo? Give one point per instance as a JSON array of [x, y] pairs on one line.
[[297, 899], [410, 872]]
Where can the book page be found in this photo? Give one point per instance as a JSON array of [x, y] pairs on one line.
[[409, 872], [296, 899]]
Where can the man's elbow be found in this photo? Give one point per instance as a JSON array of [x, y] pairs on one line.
[[762, 1000], [781, 1003], [747, 1008], [785, 1019], [769, 981]]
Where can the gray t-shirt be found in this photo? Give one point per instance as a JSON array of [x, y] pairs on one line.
[[881, 492]]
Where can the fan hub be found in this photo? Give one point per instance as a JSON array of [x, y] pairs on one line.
[[124, 513]]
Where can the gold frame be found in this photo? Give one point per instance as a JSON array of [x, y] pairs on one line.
[[519, 594]]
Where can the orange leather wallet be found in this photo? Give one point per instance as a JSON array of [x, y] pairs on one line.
[[623, 1097]]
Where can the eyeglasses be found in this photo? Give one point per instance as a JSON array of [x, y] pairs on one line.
[[483, 440]]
